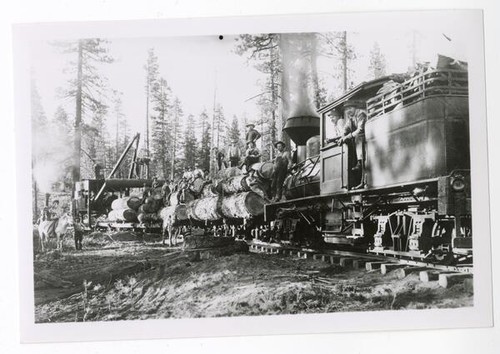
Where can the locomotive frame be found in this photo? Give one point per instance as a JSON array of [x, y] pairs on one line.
[[416, 201]]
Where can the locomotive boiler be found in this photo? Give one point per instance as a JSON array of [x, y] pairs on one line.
[[410, 197]]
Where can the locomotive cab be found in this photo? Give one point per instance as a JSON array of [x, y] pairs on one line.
[[338, 161]]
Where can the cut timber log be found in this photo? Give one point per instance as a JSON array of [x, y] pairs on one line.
[[176, 213], [129, 215], [242, 205], [197, 185], [126, 203], [234, 185], [205, 209], [265, 170], [208, 191]]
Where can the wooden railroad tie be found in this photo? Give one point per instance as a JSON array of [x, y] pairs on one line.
[[369, 266], [404, 272], [388, 267], [448, 279]]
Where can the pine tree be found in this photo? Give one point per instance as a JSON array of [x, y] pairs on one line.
[[177, 114], [152, 68], [162, 128], [86, 87], [377, 66], [336, 45], [220, 127], [234, 131], [190, 142], [204, 150], [264, 51]]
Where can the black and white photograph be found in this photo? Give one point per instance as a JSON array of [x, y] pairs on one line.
[[255, 173]]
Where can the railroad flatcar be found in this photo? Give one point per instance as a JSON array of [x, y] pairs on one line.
[[411, 194]]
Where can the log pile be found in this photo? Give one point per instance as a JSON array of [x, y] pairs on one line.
[[231, 195]]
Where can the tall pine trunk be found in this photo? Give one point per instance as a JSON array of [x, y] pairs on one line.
[[78, 116], [344, 59]]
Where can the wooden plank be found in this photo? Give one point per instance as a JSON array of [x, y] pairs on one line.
[[404, 272], [388, 267], [448, 279], [369, 266]]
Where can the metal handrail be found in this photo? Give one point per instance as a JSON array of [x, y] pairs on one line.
[[426, 84]]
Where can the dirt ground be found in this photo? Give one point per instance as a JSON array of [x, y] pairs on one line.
[[117, 277]]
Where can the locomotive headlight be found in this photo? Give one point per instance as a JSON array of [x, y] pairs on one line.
[[458, 183]]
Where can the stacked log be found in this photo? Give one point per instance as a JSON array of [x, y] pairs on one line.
[[126, 203], [124, 209], [235, 184], [197, 185], [265, 170], [205, 209], [129, 215], [242, 205], [208, 190], [148, 211]]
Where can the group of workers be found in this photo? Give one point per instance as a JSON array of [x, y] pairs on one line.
[[281, 162], [232, 157]]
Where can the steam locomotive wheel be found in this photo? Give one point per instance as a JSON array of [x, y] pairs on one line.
[[442, 234]]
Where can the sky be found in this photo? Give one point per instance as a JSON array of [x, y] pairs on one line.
[[201, 69]]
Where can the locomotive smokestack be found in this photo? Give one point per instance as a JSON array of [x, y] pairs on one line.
[[303, 121]]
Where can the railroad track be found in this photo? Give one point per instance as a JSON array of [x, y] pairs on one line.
[[446, 275]]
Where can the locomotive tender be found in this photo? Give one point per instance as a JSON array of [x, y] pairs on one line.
[[414, 200]]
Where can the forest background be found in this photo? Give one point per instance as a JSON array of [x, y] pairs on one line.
[[89, 97]]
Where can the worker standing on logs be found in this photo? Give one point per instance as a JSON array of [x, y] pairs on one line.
[[219, 158], [252, 134], [252, 156], [282, 162], [234, 154]]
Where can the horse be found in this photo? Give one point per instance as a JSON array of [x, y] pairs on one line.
[[57, 227], [172, 230]]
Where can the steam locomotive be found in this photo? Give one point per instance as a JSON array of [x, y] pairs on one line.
[[412, 196]]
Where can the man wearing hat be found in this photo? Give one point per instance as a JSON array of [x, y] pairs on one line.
[[252, 156], [282, 162], [354, 134], [252, 134], [233, 153]]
